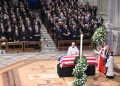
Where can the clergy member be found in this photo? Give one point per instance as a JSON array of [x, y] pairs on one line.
[[100, 59], [109, 65], [73, 50], [106, 54]]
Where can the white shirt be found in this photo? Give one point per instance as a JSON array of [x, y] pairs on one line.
[[72, 51]]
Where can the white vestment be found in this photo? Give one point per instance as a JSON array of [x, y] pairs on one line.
[[109, 65], [72, 51]]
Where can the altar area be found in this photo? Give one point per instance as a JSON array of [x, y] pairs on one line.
[[44, 73]]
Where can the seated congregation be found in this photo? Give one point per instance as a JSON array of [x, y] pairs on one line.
[[68, 19], [18, 23]]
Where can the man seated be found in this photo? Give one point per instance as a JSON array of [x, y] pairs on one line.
[[16, 36], [73, 50]]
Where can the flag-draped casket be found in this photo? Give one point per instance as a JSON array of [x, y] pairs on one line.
[[66, 64]]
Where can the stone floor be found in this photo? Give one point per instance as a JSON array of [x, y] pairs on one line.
[[38, 73]]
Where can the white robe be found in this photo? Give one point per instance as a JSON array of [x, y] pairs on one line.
[[109, 65], [72, 51]]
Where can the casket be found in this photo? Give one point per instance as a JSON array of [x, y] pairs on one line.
[[66, 64]]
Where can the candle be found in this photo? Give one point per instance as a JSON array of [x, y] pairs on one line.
[[81, 45]]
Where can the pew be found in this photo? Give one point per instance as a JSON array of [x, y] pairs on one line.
[[2, 44], [31, 43], [64, 44], [87, 44], [14, 48]]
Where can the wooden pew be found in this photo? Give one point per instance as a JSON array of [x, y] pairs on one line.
[[62, 43], [14, 49], [86, 41], [2, 40], [31, 43]]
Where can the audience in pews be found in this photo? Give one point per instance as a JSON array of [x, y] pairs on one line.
[[67, 19], [18, 22]]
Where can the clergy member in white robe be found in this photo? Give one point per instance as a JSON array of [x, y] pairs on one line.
[[73, 50], [109, 65]]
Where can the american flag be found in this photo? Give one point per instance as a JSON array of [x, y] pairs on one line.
[[69, 60]]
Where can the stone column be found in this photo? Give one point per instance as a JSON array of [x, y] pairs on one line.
[[110, 11], [107, 3], [99, 6], [117, 13], [95, 2]]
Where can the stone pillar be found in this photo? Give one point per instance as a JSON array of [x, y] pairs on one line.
[[99, 6], [117, 13], [110, 11], [107, 3]]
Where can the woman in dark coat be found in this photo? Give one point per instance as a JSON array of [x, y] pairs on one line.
[[10, 35]]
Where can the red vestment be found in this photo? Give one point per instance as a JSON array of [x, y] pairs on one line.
[[102, 68]]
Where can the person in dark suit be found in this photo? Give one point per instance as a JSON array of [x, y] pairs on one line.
[[37, 34], [78, 34], [2, 33], [23, 35], [10, 35], [52, 25], [48, 22], [30, 34], [99, 20], [87, 36], [58, 33], [66, 33], [106, 54], [74, 33], [16, 36], [43, 15]]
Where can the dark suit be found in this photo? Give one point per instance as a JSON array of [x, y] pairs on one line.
[[78, 35], [37, 38], [48, 23], [58, 33], [2, 33], [16, 36], [107, 55], [23, 35], [10, 36], [30, 34], [66, 34], [74, 34]]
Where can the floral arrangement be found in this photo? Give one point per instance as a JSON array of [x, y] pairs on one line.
[[100, 36], [79, 72]]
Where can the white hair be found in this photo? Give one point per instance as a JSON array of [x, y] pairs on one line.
[[73, 42]]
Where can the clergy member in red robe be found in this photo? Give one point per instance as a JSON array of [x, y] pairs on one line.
[[101, 66]]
